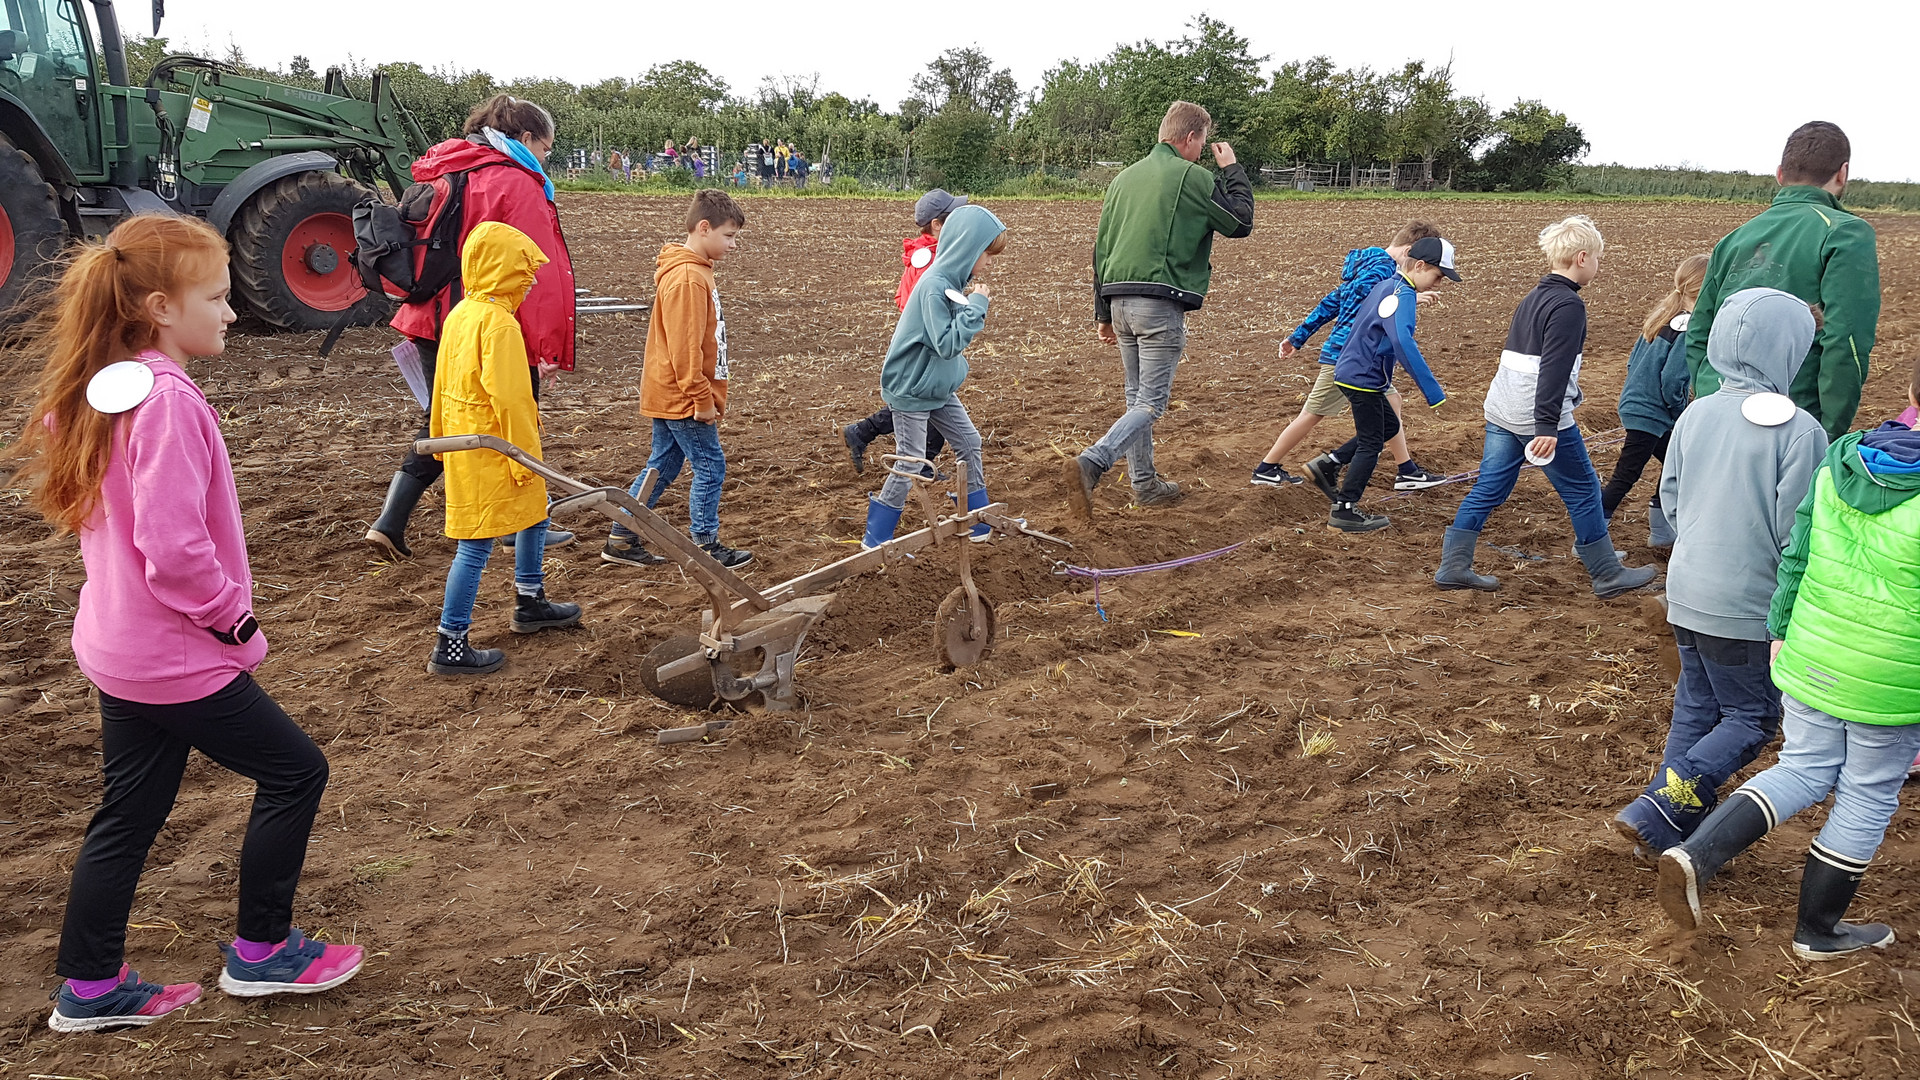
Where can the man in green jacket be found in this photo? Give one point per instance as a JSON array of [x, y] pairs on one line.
[[1806, 245], [1845, 620], [1151, 265]]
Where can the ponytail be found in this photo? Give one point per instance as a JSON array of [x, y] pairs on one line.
[[99, 316], [1687, 279]]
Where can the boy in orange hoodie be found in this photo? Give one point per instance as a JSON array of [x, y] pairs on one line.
[[683, 383]]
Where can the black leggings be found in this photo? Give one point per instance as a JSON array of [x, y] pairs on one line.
[[1634, 453], [425, 467], [1374, 423], [881, 423], [144, 752]]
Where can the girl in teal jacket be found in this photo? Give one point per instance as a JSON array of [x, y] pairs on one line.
[[1655, 392]]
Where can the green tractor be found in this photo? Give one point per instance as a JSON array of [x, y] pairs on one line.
[[275, 168]]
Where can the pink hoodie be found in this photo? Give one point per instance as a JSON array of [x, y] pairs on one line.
[[166, 554]]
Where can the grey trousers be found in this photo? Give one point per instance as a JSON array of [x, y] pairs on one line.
[[1153, 334], [910, 440]]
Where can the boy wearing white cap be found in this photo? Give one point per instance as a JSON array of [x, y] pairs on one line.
[[916, 254]]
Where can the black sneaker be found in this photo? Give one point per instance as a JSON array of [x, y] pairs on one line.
[[453, 656], [629, 553], [1347, 519], [1324, 471], [856, 449], [1268, 474], [731, 558], [555, 538], [1412, 477], [532, 614]]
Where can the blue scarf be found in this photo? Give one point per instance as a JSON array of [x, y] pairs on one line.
[[518, 151]]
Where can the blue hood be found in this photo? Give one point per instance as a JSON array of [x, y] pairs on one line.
[[1364, 260]]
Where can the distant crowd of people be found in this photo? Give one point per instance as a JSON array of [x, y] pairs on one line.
[[767, 163]]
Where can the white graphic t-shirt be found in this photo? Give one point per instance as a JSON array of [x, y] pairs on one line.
[[719, 338]]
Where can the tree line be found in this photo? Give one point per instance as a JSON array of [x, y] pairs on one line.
[[970, 125]]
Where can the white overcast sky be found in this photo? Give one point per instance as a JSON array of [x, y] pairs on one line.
[[1714, 84]]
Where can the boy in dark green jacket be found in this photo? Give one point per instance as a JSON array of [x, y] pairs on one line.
[[1845, 620], [1806, 245]]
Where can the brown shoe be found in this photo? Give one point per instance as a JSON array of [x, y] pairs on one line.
[[1082, 475], [1156, 492]]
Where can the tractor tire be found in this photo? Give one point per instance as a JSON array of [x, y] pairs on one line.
[[31, 232], [291, 244]]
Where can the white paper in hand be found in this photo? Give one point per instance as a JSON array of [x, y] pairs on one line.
[[119, 386], [406, 356]]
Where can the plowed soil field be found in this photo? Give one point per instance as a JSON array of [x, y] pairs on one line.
[[1288, 812]]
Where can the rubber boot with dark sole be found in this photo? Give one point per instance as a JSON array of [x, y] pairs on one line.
[[1826, 888], [1456, 563], [1731, 829], [1610, 579]]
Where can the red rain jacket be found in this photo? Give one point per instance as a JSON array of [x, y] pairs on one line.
[[912, 273], [514, 196]]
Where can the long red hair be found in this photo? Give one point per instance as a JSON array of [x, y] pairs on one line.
[[98, 317]]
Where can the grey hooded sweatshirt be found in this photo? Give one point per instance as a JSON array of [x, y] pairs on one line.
[[1731, 486]]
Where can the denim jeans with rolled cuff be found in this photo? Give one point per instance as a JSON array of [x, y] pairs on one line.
[[470, 558]]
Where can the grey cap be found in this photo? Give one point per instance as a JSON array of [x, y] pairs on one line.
[[936, 204]]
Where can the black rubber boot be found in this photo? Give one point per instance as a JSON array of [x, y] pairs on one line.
[[1456, 563], [532, 614], [1610, 579], [1731, 829], [1826, 888], [388, 535], [856, 446], [453, 656]]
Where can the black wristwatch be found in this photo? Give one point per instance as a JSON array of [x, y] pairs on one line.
[[241, 633]]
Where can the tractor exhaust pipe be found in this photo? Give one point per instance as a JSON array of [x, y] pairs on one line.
[[125, 164]]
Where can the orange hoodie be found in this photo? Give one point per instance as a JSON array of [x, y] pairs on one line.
[[685, 369]]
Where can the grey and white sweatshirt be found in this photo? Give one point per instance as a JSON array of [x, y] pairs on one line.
[[1731, 486]]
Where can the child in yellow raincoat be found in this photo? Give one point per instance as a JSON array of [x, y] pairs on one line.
[[483, 386]]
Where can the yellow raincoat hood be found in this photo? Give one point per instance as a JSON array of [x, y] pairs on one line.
[[483, 385], [498, 263]]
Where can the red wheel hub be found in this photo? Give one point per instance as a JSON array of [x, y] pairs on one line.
[[6, 247], [314, 263]]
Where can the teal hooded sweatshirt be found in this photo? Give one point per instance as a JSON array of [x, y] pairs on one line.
[[926, 362]]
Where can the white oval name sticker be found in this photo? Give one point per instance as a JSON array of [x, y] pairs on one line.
[[1680, 322], [119, 386], [1768, 410], [956, 296], [920, 258], [1390, 305]]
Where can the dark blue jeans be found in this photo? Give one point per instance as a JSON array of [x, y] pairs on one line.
[[675, 443], [1725, 710], [470, 558], [1570, 472]]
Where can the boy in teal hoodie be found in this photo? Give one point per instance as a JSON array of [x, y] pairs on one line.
[[1845, 620], [926, 363]]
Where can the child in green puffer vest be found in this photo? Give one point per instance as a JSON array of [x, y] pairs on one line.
[[1846, 654]]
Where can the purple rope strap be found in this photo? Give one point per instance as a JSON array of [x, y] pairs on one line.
[[1170, 564]]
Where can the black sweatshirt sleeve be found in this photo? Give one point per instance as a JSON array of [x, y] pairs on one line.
[[1233, 193], [1560, 345]]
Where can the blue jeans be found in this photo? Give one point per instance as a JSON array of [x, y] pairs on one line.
[[676, 442], [463, 577], [1570, 472], [1863, 765], [910, 440], [1725, 710], [1153, 334]]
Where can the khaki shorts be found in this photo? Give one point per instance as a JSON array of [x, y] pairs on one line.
[[1325, 399]]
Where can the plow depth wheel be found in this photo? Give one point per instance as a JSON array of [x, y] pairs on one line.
[[954, 640], [693, 689]]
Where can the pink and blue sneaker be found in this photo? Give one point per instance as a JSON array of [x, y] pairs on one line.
[[297, 966], [130, 1003]]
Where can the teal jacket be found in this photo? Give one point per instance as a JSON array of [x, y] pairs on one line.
[[1806, 245], [926, 361], [1157, 225], [1657, 385], [1847, 604]]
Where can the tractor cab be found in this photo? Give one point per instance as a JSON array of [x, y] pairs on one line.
[[47, 69]]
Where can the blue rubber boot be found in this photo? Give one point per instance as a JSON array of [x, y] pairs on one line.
[[982, 532], [881, 521]]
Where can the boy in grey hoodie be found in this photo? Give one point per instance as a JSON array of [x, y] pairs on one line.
[[1738, 465]]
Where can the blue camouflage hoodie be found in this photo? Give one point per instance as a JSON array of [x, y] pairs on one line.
[[1364, 269], [925, 363]]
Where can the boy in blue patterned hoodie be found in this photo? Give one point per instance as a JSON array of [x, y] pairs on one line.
[[1364, 269]]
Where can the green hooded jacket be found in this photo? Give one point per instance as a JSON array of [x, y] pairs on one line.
[[1847, 604], [1806, 245], [1157, 225]]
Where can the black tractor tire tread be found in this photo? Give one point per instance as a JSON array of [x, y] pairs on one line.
[[256, 269], [38, 232]]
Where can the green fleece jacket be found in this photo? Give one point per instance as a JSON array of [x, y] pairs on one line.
[[1157, 225], [1847, 605], [1806, 245]]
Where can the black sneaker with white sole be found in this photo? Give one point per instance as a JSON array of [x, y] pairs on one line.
[[1268, 474], [731, 558], [1348, 519], [1412, 477], [1324, 471], [629, 553]]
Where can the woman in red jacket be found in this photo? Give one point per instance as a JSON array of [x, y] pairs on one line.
[[506, 140]]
